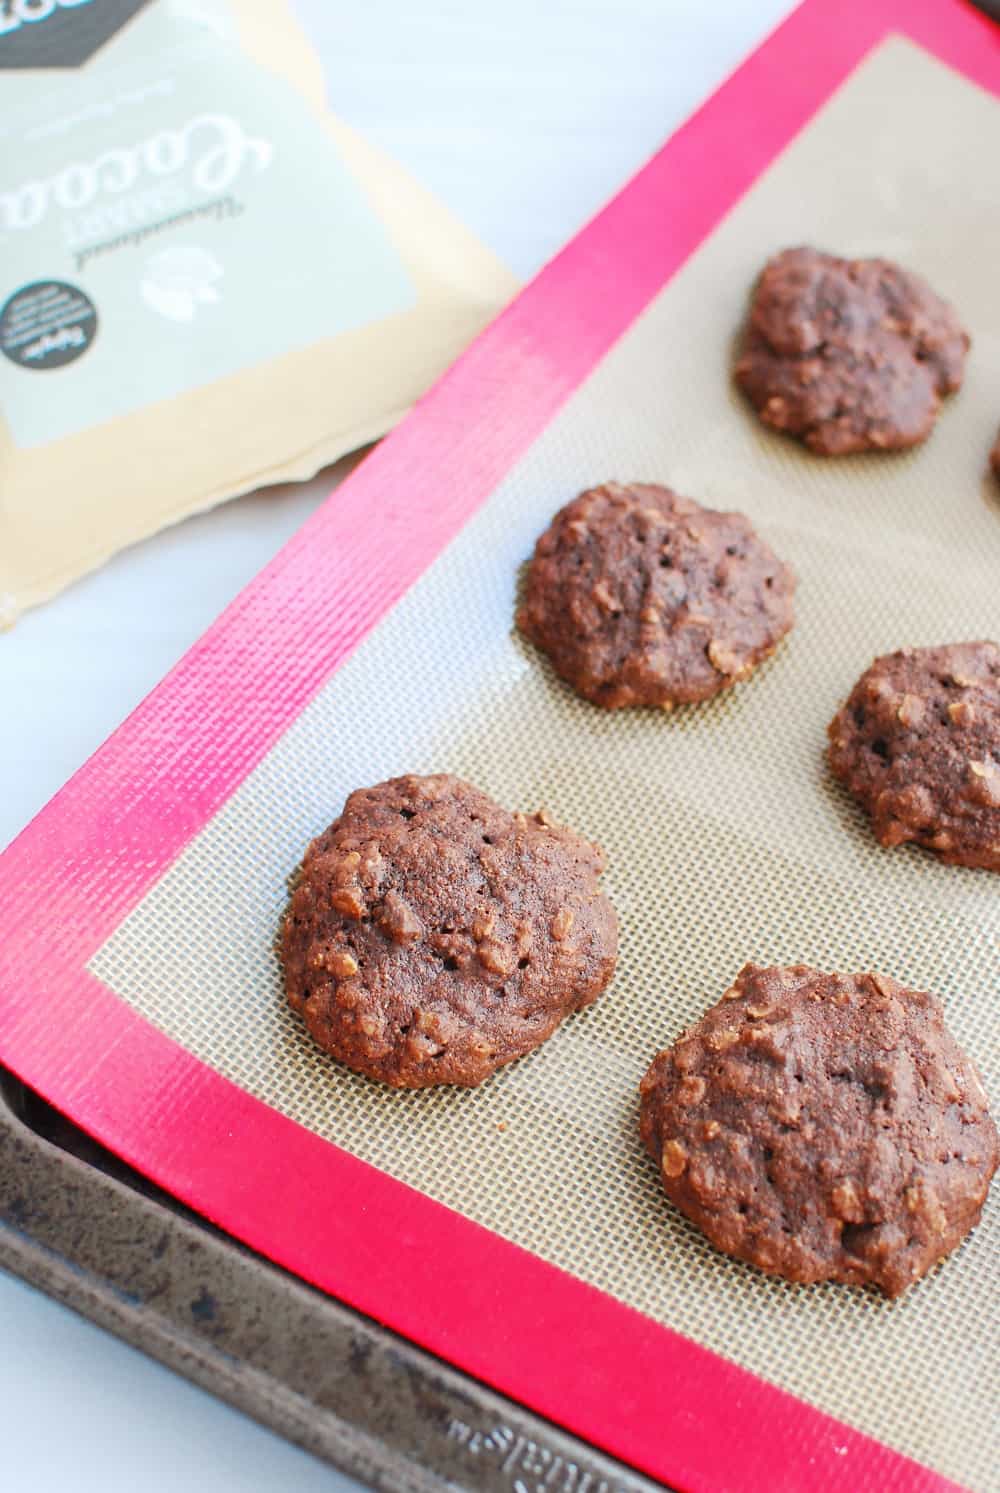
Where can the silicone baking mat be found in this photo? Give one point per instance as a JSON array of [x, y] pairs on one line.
[[555, 1268]]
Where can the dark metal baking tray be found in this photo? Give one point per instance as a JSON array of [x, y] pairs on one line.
[[81, 1225]]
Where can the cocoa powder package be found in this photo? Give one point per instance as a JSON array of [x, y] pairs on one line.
[[207, 281]]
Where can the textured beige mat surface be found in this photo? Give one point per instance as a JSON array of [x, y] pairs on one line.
[[726, 838]]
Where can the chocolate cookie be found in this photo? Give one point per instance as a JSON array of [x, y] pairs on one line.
[[823, 1127], [995, 457], [918, 744], [641, 597], [432, 936], [848, 354]]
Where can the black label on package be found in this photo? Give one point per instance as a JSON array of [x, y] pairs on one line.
[[59, 33], [46, 325]]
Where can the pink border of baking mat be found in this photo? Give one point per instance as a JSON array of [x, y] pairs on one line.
[[570, 1352]]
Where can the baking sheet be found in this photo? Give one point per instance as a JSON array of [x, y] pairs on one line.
[[727, 840], [302, 1363]]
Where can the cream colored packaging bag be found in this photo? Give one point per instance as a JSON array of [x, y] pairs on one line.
[[207, 282]]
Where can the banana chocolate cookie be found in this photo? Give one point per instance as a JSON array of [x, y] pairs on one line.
[[432, 936], [918, 744], [848, 354], [642, 597], [823, 1127]]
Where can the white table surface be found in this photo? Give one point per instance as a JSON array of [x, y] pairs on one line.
[[524, 117]]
